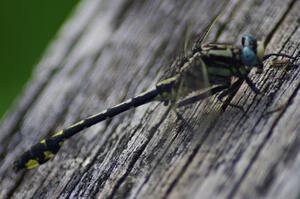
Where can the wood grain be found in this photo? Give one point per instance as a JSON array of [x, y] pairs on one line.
[[109, 51]]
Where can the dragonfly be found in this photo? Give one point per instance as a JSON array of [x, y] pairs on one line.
[[212, 68]]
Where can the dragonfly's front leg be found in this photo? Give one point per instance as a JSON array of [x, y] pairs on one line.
[[251, 85], [231, 90]]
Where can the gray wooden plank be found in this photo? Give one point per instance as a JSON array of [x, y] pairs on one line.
[[113, 50]]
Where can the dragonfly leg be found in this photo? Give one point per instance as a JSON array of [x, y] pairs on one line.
[[201, 96], [252, 85], [231, 91], [174, 109], [284, 63], [249, 82], [277, 109]]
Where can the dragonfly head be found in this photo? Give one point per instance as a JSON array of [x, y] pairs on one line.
[[252, 51]]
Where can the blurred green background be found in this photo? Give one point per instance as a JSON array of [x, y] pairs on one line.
[[26, 29]]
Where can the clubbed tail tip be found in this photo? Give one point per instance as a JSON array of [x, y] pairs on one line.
[[25, 161], [38, 154]]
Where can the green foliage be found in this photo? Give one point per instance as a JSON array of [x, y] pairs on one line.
[[26, 29]]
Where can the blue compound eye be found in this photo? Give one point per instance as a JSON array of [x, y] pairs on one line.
[[249, 50], [248, 57], [249, 41]]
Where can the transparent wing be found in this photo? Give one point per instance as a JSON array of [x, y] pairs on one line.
[[179, 62]]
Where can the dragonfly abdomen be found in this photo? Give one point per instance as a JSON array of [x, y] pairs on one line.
[[47, 148]]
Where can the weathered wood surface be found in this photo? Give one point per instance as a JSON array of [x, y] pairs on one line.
[[110, 50]]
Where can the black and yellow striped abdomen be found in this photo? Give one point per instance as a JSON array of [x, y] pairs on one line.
[[40, 153], [47, 148]]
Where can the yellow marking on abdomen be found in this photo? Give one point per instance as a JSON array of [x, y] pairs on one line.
[[93, 116], [58, 133], [32, 164], [48, 155], [76, 124]]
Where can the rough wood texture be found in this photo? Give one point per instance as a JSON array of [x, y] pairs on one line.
[[111, 50]]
